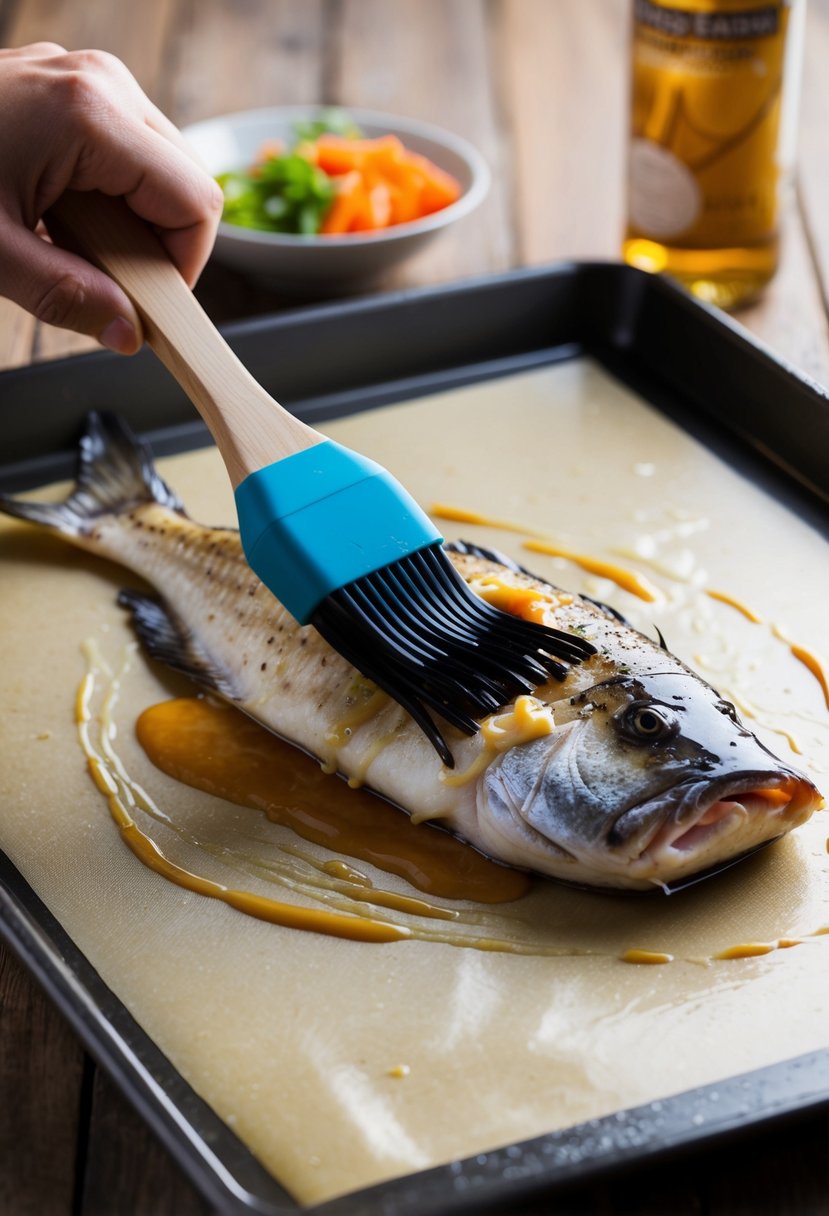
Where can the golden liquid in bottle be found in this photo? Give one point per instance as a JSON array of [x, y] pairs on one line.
[[708, 130]]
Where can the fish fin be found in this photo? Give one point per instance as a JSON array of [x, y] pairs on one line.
[[168, 639], [494, 555], [487, 555], [115, 472]]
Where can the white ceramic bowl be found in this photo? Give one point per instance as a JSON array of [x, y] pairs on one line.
[[311, 264]]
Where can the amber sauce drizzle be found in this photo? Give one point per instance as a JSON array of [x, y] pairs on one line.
[[368, 701], [120, 792], [646, 958], [724, 598], [217, 749], [628, 580], [528, 719], [749, 950], [460, 515], [356, 928], [808, 659], [527, 602]]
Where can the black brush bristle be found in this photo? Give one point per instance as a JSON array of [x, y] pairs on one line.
[[417, 630]]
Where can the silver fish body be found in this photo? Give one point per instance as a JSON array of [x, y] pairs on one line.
[[629, 773]]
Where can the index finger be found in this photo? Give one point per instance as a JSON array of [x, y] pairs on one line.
[[160, 182]]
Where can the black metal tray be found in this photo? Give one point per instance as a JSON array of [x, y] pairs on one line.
[[701, 370]]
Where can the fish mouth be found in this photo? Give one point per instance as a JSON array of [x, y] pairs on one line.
[[718, 818]]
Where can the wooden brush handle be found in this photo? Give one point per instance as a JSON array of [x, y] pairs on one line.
[[250, 428]]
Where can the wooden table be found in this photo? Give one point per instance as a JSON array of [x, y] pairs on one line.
[[539, 86]]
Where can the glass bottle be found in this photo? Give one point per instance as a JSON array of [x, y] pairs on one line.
[[713, 124]]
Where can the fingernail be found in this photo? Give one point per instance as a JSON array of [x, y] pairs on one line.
[[119, 336]]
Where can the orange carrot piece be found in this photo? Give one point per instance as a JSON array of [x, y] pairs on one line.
[[341, 213], [336, 155], [380, 183], [405, 205], [364, 218], [439, 187], [379, 198], [391, 160], [385, 150]]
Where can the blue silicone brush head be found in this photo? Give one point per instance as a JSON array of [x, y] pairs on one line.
[[344, 547]]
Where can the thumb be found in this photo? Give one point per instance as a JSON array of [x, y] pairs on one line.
[[62, 289]]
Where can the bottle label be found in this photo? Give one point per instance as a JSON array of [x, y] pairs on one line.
[[680, 23], [707, 82]]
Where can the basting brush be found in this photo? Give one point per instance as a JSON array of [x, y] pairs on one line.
[[331, 533]]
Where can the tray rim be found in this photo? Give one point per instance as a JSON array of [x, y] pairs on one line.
[[457, 1187]]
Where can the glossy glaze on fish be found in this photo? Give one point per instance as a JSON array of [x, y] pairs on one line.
[[631, 772]]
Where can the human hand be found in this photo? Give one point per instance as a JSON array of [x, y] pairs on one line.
[[79, 121]]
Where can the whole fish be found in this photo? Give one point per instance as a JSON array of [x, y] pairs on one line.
[[630, 772]]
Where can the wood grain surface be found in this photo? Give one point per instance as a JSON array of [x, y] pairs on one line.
[[540, 87]]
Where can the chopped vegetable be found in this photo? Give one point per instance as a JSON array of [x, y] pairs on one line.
[[330, 121], [333, 181], [282, 194]]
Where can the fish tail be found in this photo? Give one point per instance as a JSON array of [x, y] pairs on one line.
[[115, 474]]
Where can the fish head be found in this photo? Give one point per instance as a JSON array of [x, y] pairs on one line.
[[644, 780]]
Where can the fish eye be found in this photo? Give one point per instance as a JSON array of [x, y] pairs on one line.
[[642, 722], [725, 707]]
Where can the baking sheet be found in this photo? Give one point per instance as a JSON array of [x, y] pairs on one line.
[[575, 390]]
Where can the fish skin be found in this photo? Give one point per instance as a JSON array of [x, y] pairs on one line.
[[589, 802]]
